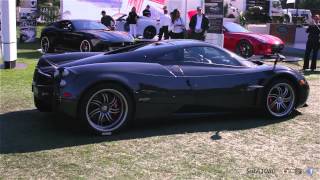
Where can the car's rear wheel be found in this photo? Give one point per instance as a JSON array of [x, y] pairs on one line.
[[280, 98], [106, 108], [85, 46], [46, 45], [244, 49], [149, 32]]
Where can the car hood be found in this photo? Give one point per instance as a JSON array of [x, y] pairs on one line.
[[264, 38], [111, 36]]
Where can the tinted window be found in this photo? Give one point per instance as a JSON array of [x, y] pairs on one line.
[[209, 55], [66, 25], [88, 25], [176, 55]]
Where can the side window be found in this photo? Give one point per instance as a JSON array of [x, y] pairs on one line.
[[65, 25], [209, 55], [217, 56], [170, 56], [194, 54]]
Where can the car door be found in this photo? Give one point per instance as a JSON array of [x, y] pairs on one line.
[[176, 87], [217, 80], [59, 34], [71, 37]]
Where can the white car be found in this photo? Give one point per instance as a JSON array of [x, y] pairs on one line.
[[147, 27], [289, 13]]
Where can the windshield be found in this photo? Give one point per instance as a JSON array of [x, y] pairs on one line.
[[233, 27], [87, 25], [242, 60]]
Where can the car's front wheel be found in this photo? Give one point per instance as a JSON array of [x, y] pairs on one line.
[[244, 49], [280, 98], [149, 32], [85, 46], [46, 45], [106, 108]]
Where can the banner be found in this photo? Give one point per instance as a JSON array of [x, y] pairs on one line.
[[91, 9], [214, 12], [28, 20]]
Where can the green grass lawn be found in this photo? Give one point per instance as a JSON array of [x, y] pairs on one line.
[[36, 145]]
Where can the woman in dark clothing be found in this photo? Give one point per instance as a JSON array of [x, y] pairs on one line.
[[313, 44], [132, 21]]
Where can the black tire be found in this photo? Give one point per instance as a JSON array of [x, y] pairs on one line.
[[149, 32], [271, 102], [244, 49], [98, 111], [50, 48], [86, 46], [41, 105]]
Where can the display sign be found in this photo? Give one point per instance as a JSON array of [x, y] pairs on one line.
[[214, 12], [28, 20], [286, 32]]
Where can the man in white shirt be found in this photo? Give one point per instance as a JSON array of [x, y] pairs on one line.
[[165, 21], [199, 24]]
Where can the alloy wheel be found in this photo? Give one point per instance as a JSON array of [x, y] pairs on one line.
[[280, 100], [106, 110], [85, 46], [45, 44]]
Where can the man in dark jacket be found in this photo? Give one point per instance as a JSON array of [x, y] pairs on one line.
[[313, 44], [107, 20], [198, 25], [146, 12]]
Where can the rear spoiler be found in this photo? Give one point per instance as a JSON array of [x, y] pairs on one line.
[[277, 58]]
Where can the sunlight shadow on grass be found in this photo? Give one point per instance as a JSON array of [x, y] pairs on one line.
[[30, 130]]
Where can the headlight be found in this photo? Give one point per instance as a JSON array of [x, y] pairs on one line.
[[56, 73], [62, 72], [63, 83]]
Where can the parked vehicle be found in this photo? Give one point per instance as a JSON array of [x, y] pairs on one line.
[[147, 27], [246, 44], [82, 35], [266, 10], [162, 79]]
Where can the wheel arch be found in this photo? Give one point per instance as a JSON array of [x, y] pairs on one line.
[[251, 42], [285, 76], [118, 82]]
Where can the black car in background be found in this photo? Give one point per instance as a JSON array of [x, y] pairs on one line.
[[162, 79], [83, 36]]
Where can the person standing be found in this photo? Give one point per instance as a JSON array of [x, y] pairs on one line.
[[132, 21], [107, 20], [177, 25], [313, 44], [165, 21], [198, 25], [146, 12]]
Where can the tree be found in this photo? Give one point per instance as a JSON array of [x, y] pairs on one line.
[[309, 4]]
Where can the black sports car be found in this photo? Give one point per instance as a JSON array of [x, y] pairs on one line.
[[161, 79], [82, 35]]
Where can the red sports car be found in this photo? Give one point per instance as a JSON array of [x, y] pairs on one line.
[[246, 43]]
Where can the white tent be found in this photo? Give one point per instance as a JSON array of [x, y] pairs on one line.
[[8, 33]]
